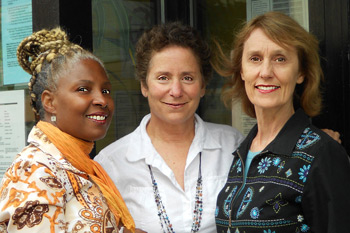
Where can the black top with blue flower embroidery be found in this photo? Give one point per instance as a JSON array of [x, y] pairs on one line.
[[299, 183]]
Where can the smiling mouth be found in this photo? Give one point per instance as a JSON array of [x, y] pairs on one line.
[[267, 88], [97, 117], [175, 104]]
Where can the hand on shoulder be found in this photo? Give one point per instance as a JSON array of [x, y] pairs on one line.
[[333, 134]]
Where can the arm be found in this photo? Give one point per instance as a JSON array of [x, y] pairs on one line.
[[326, 201]]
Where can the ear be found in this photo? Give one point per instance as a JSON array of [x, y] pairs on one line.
[[144, 89], [300, 78], [202, 91], [47, 100], [242, 76]]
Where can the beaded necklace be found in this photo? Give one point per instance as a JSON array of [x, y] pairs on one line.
[[198, 207]]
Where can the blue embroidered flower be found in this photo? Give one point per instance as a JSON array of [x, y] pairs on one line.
[[276, 161], [300, 218], [305, 228], [264, 164], [269, 231], [298, 199], [304, 171], [254, 213]]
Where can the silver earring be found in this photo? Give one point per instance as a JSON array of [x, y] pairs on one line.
[[53, 118]]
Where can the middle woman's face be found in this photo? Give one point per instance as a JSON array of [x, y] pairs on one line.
[[270, 72], [174, 85]]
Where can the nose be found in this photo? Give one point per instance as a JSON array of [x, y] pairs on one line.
[[266, 69], [100, 100], [176, 88]]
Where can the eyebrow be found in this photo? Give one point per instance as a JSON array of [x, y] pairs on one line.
[[274, 52], [91, 82], [168, 73]]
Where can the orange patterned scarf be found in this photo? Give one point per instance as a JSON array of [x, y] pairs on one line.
[[76, 151]]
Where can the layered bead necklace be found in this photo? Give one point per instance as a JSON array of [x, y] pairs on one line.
[[198, 206]]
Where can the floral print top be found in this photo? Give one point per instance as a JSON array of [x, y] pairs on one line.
[[42, 192]]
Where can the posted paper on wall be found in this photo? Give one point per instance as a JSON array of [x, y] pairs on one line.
[[16, 24], [12, 127]]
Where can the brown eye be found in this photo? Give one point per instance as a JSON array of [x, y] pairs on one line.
[[188, 78], [106, 91], [255, 59], [162, 78], [280, 59], [82, 89]]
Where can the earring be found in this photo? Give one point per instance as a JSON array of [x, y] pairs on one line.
[[53, 118]]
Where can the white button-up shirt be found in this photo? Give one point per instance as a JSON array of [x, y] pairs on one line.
[[127, 160]]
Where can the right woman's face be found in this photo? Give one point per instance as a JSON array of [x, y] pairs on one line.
[[174, 85], [270, 72]]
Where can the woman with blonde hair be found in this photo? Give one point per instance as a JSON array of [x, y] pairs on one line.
[[53, 185], [287, 175]]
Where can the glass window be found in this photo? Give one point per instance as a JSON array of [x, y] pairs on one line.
[[117, 25], [218, 20]]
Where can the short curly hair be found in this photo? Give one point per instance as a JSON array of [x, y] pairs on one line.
[[172, 34], [286, 32]]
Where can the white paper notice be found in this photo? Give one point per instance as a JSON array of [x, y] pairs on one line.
[[16, 24], [297, 9], [240, 120], [12, 127]]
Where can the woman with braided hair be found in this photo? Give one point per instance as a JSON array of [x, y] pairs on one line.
[[53, 185]]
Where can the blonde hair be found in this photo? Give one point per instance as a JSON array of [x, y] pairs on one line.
[[47, 55], [286, 32]]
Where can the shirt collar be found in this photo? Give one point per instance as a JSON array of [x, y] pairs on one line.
[[286, 139], [142, 147]]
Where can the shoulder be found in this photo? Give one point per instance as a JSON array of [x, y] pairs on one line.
[[35, 162], [224, 132], [31, 156], [119, 146], [325, 150], [316, 138], [34, 171]]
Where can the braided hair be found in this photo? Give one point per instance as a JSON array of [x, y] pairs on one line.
[[48, 55]]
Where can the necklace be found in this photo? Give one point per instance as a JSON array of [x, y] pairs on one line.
[[198, 206]]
